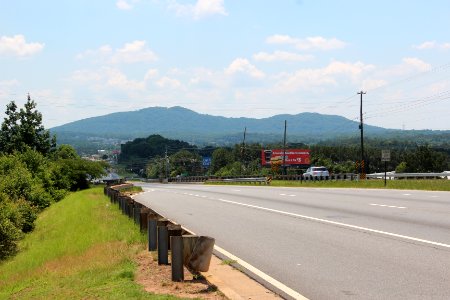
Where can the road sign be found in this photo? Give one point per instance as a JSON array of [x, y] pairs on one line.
[[206, 162], [385, 155]]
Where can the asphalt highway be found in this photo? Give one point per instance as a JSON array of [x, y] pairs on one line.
[[323, 243]]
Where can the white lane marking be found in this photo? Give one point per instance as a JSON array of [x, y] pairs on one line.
[[434, 196], [282, 194], [406, 194], [262, 275], [291, 195], [257, 272], [384, 205], [236, 190], [338, 223], [288, 195]]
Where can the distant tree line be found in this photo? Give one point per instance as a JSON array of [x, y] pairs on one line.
[[34, 173], [147, 156]]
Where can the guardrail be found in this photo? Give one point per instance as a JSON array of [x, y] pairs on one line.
[[390, 175], [187, 249], [260, 180], [254, 178]]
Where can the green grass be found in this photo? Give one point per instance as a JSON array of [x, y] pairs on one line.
[[430, 185], [133, 189], [82, 248]]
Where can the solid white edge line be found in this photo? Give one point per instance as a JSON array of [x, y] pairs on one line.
[[338, 223], [256, 271], [262, 275]]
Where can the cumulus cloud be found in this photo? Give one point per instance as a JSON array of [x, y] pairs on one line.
[[123, 5], [432, 45], [134, 52], [152, 73], [167, 82], [309, 43], [117, 79], [200, 9], [107, 77], [17, 46], [308, 79], [416, 64], [281, 56], [370, 84], [242, 65]]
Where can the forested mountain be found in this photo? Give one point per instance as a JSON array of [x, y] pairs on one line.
[[201, 129]]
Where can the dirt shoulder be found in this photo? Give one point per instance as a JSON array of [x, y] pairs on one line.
[[157, 279]]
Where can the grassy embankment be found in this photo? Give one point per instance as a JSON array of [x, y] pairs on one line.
[[82, 248], [429, 185]]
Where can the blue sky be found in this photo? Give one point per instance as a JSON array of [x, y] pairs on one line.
[[249, 58]]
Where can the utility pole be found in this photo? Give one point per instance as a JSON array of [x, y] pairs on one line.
[[167, 164], [284, 148], [361, 127], [243, 150]]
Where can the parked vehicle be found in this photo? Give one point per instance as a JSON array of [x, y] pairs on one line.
[[316, 172]]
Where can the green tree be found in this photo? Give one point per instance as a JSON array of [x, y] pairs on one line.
[[220, 158], [23, 129], [185, 162]]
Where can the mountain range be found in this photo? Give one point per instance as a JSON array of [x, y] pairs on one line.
[[202, 129]]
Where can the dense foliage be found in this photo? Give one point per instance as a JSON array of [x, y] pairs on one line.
[[337, 157], [135, 154], [33, 174]]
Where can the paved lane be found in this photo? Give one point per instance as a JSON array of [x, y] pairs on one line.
[[300, 237]]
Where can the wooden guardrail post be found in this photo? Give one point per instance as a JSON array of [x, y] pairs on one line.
[[177, 258], [143, 224], [173, 230], [137, 212], [153, 222], [163, 245]]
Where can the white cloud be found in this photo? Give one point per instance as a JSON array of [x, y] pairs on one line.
[[281, 56], [432, 45], [311, 79], [242, 65], [167, 82], [9, 83], [309, 43], [118, 80], [133, 52], [417, 64], [201, 8], [107, 77], [371, 84], [123, 5], [17, 46], [152, 73], [351, 69], [281, 39]]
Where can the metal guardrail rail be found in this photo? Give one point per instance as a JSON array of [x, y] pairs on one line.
[[391, 175]]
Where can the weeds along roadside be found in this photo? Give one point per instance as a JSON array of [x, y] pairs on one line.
[[82, 247]]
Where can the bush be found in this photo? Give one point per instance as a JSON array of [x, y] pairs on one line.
[[11, 222]]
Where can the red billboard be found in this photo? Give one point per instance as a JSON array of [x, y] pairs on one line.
[[294, 157]]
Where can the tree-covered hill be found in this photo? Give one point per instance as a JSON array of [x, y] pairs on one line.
[[202, 129]]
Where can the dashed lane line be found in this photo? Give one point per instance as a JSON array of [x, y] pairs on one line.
[[384, 205]]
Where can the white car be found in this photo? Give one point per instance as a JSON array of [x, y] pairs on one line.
[[316, 172]]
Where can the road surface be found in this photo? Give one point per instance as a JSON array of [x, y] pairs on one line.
[[323, 243]]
